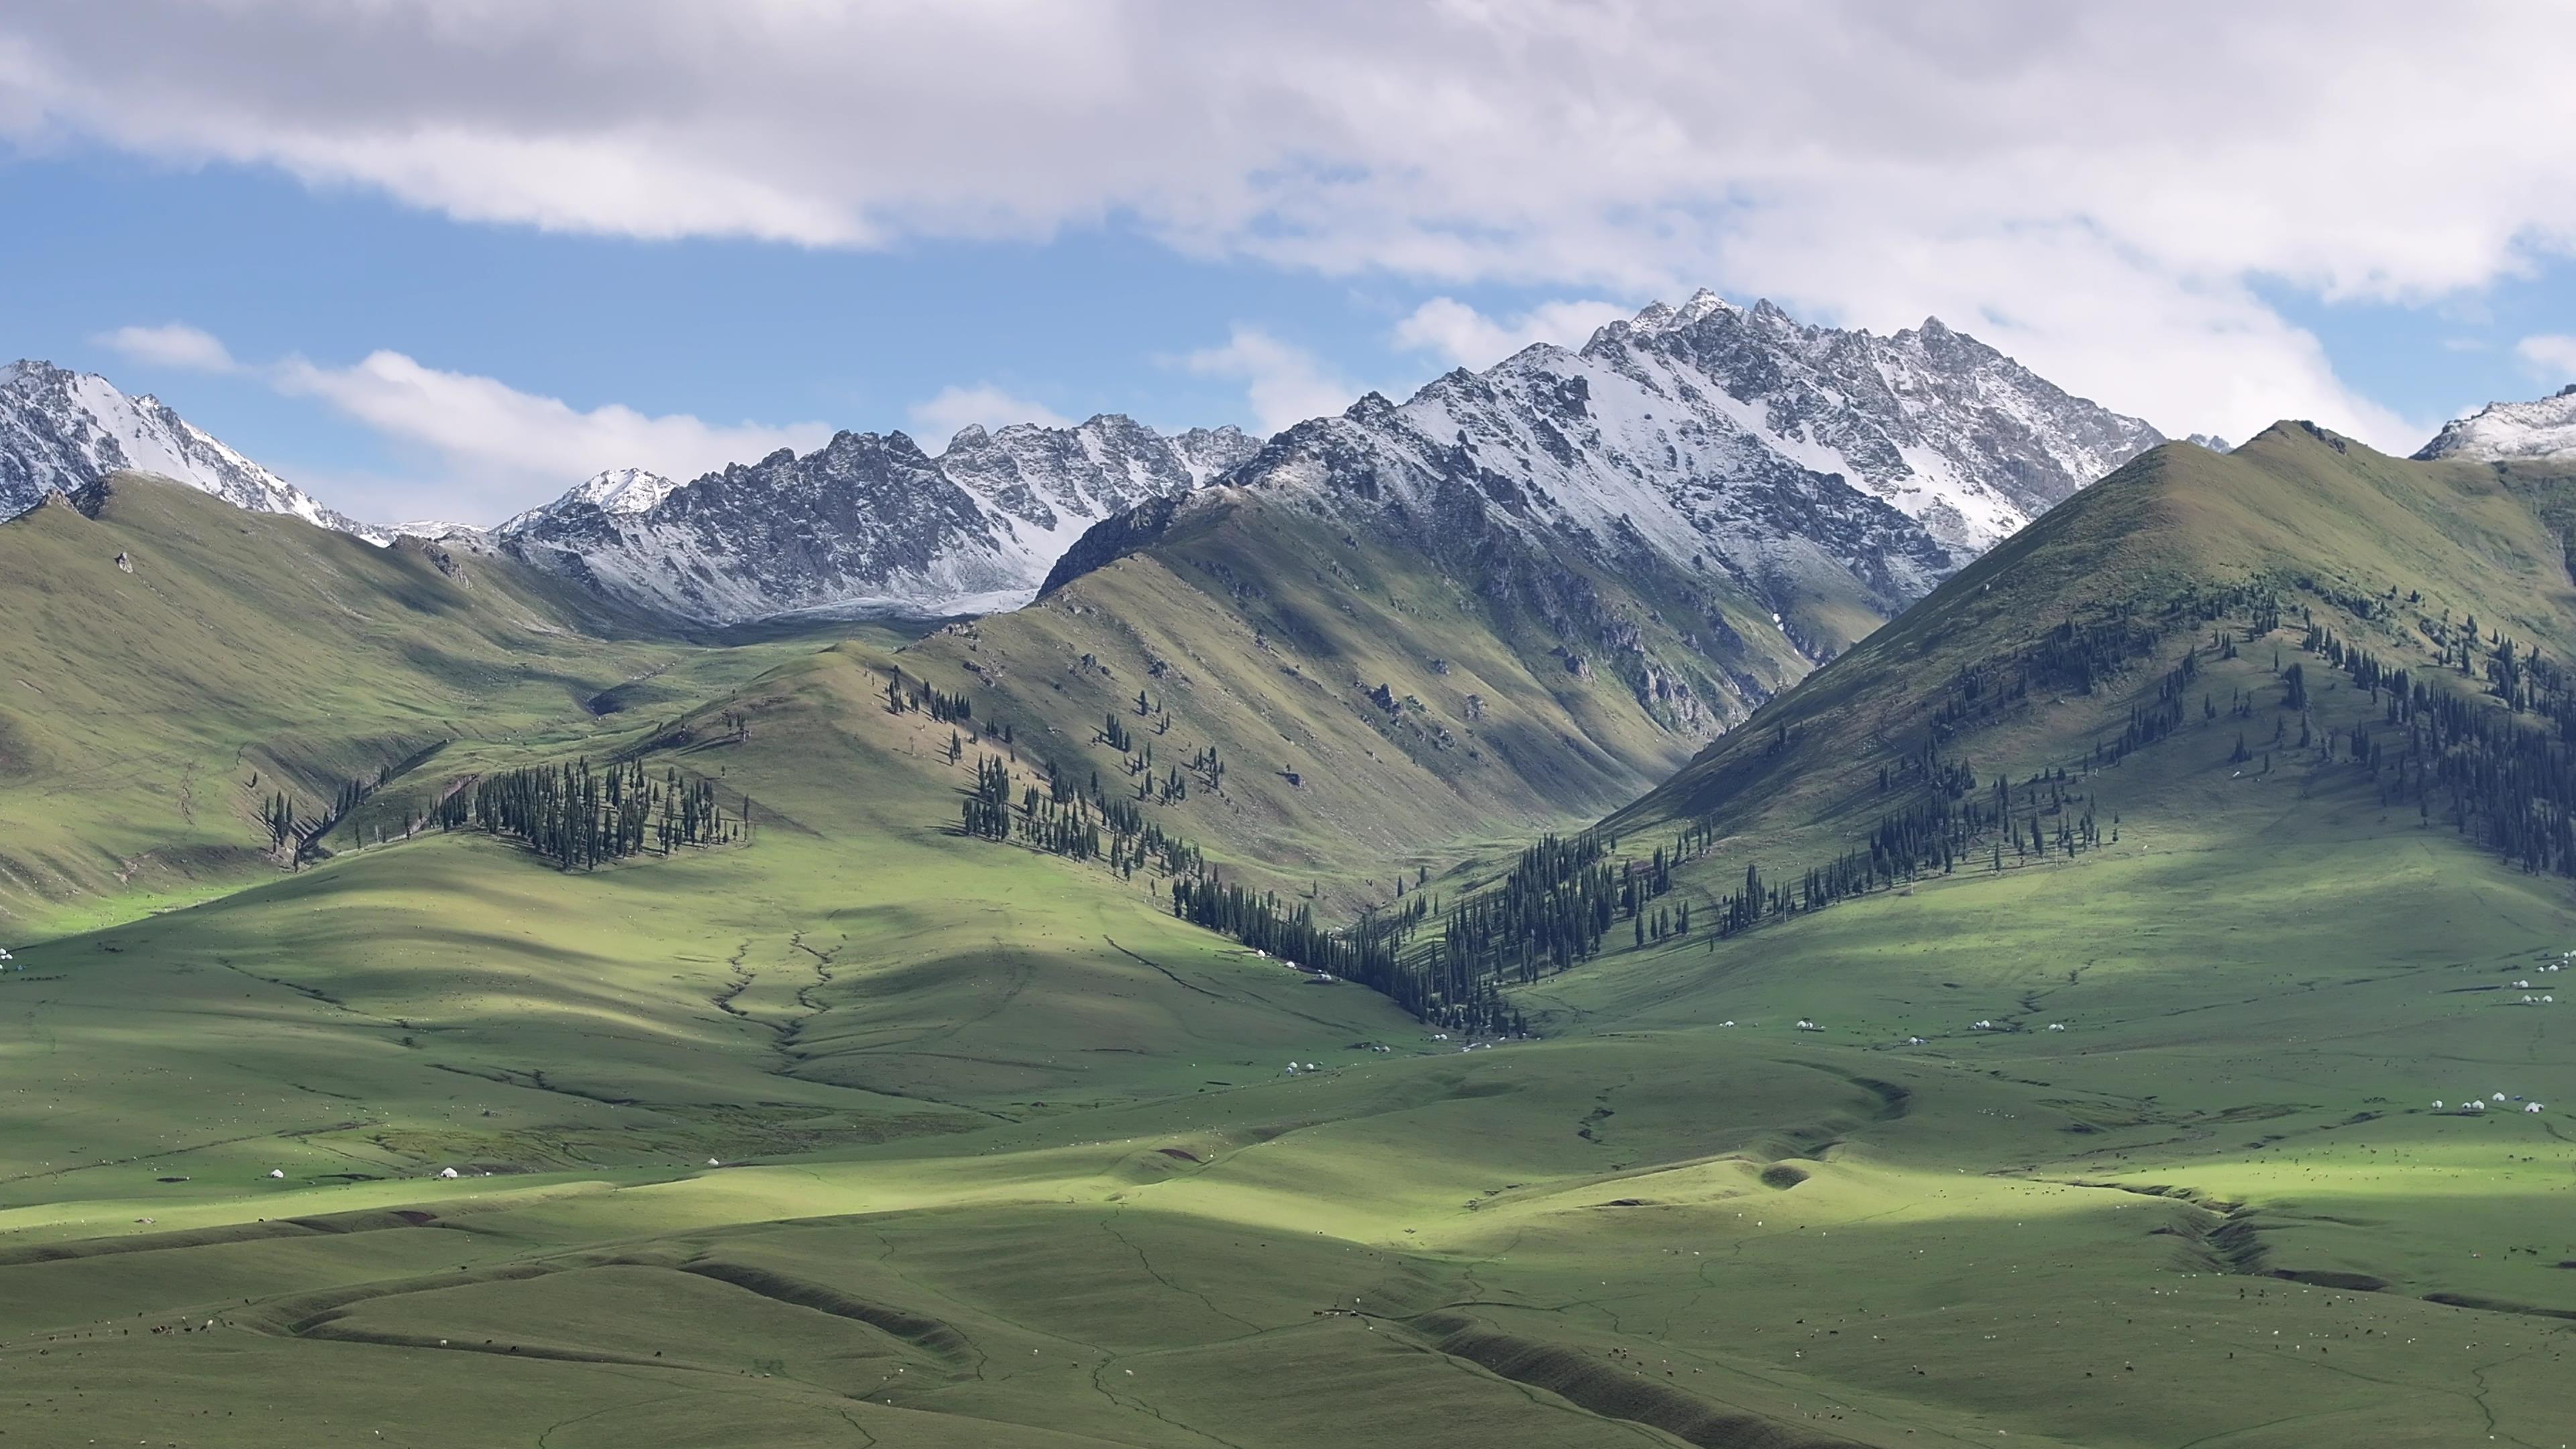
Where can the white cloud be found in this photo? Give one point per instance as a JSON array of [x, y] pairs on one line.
[[985, 406], [500, 443], [2548, 355], [2042, 174], [173, 344], [1469, 338], [1285, 384], [492, 449]]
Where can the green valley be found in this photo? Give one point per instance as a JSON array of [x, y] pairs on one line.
[[2069, 1041]]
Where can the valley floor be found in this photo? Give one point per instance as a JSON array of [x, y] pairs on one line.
[[1000, 1157]]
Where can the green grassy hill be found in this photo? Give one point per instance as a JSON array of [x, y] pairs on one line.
[[149, 710], [2321, 524]]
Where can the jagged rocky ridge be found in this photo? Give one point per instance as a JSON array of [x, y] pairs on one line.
[[61, 431], [1796, 460], [866, 523], [2501, 432]]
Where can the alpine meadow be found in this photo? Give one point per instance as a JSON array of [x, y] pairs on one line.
[[1697, 878]]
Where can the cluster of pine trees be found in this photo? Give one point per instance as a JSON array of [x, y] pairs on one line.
[[278, 813], [1370, 953], [286, 827], [1071, 824], [1549, 913], [2507, 784], [579, 817], [2504, 777], [2041, 818], [956, 709]]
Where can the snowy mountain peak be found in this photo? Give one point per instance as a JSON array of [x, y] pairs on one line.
[[2502, 431], [1658, 317], [62, 430], [624, 490], [1949, 431], [1701, 303]]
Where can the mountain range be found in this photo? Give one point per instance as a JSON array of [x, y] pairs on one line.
[[1781, 451], [867, 523], [1800, 459]]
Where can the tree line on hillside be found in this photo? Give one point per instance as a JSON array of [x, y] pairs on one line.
[[1078, 818], [2500, 769], [1945, 818]]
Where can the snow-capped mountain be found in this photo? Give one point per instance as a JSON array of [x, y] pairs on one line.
[[1791, 454], [62, 430], [1954, 434], [2500, 432], [1702, 502], [866, 523], [625, 490]]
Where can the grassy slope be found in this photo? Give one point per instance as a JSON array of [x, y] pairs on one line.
[[1016, 1164], [1263, 631], [137, 707]]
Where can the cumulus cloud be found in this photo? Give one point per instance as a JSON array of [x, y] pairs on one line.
[[173, 344], [1451, 329], [937, 419], [493, 447], [2045, 175], [2548, 355], [503, 441], [1284, 383]]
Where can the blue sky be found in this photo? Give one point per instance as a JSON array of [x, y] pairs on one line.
[[443, 258], [1098, 319]]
